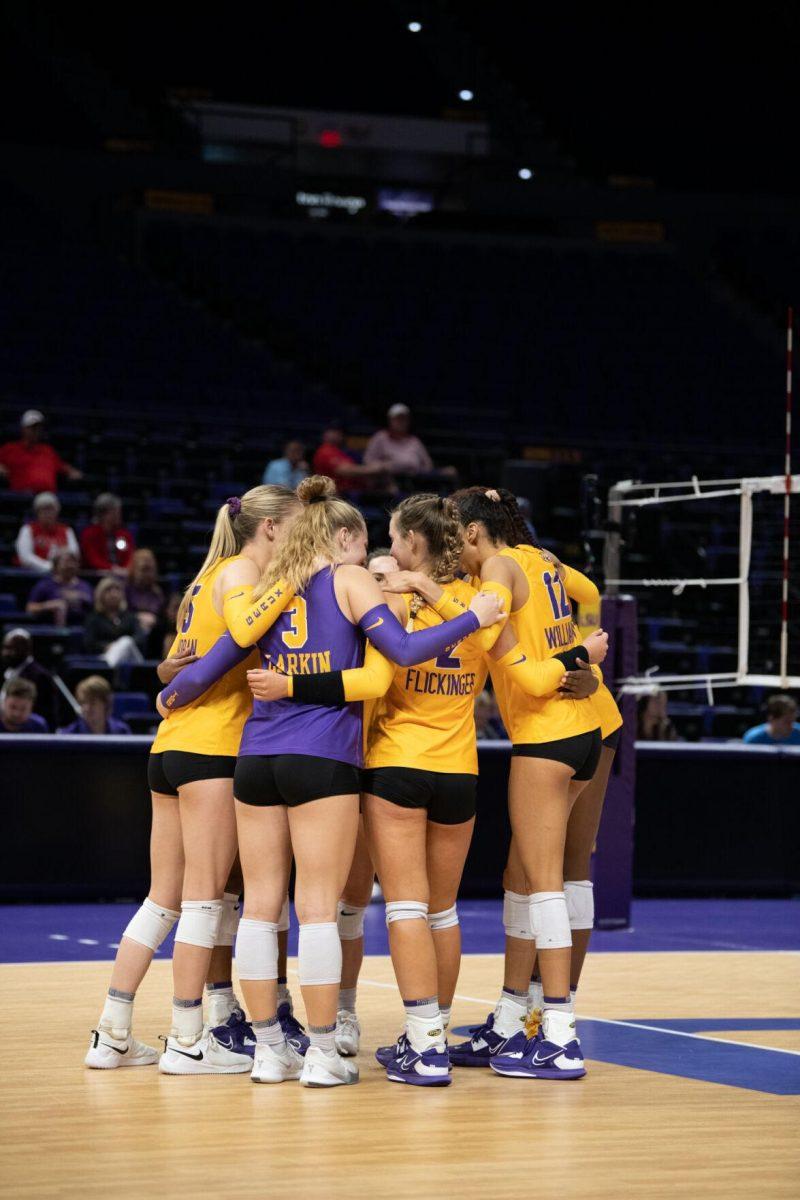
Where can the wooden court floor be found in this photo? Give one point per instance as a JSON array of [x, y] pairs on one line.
[[622, 1131]]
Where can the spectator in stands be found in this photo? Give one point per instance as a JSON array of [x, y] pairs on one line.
[[107, 545], [30, 464], [16, 709], [40, 540], [396, 448], [145, 597], [488, 726], [654, 724], [289, 470], [380, 563], [18, 663], [780, 728], [62, 593], [111, 631], [348, 475], [96, 700]]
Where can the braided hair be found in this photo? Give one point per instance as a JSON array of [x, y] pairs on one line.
[[497, 510], [437, 519]]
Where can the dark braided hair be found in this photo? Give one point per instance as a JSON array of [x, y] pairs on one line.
[[521, 532], [498, 512]]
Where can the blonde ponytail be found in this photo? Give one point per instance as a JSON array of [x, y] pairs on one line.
[[236, 524], [313, 535]]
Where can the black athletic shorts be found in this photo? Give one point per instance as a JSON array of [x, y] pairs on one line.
[[612, 741], [266, 779], [171, 769], [449, 799], [581, 752]]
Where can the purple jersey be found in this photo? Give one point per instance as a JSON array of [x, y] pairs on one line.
[[312, 636]]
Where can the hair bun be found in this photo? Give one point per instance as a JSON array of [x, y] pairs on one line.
[[316, 489]]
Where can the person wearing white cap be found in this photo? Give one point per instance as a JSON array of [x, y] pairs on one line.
[[39, 541], [396, 448], [31, 465]]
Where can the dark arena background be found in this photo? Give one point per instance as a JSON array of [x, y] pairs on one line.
[[414, 247]]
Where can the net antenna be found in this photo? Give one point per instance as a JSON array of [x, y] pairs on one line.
[[765, 492], [787, 503]]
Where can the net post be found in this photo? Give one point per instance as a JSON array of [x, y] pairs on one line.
[[787, 501], [613, 542], [745, 545]]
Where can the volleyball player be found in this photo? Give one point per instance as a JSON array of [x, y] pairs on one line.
[[286, 794], [419, 783], [556, 747], [193, 841]]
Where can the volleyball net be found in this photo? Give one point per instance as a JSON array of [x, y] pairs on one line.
[[715, 567]]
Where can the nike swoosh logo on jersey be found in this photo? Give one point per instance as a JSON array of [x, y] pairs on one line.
[[375, 626], [237, 596], [523, 658]]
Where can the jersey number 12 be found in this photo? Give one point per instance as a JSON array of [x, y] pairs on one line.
[[560, 603]]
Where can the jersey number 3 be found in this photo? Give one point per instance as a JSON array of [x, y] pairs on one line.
[[296, 635], [560, 603]]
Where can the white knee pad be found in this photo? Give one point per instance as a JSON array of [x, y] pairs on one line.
[[199, 923], [516, 916], [257, 949], [549, 921], [580, 903], [406, 910], [445, 919], [150, 924], [319, 954], [231, 912], [350, 921], [283, 919]]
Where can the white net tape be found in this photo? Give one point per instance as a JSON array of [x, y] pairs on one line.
[[705, 561]]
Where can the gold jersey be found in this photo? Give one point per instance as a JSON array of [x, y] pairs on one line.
[[606, 707], [543, 626], [213, 723], [426, 720]]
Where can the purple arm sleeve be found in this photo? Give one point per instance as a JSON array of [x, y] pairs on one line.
[[387, 635], [193, 680]]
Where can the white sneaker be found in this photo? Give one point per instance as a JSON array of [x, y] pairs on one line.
[[107, 1052], [205, 1057], [326, 1070], [274, 1064], [348, 1033]]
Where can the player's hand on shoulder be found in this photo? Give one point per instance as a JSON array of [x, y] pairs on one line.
[[549, 557], [268, 685], [402, 581], [488, 608]]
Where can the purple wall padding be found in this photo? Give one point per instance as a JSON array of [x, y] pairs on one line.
[[613, 861]]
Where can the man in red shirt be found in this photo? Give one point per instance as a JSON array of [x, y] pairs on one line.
[[348, 475], [107, 545], [30, 464]]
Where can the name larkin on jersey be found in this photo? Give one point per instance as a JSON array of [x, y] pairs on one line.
[[439, 683], [313, 663], [560, 636]]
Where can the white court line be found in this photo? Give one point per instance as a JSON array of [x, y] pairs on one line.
[[625, 1024]]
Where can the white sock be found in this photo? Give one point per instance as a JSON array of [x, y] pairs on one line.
[[323, 1037], [187, 1021], [424, 1024], [347, 999], [535, 995], [510, 1014], [117, 1015], [268, 1032], [558, 1025], [446, 1014], [221, 1003]]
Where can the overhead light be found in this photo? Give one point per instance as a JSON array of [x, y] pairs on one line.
[[466, 94], [414, 27], [525, 173]]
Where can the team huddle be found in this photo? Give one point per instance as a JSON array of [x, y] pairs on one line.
[[320, 713]]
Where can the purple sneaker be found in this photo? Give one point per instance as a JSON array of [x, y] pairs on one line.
[[385, 1054], [236, 1034], [484, 1045], [540, 1059], [431, 1068], [294, 1032]]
